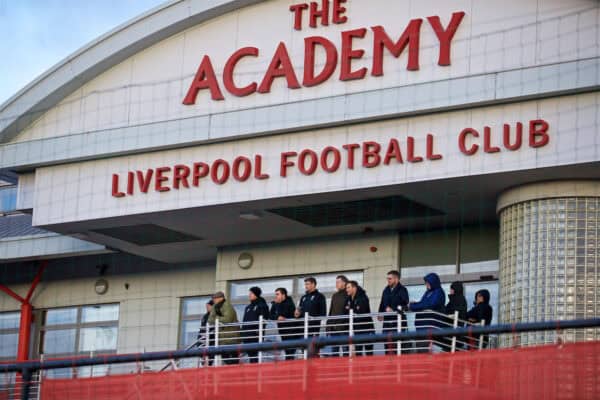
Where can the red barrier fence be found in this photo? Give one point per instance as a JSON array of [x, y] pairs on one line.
[[569, 371]]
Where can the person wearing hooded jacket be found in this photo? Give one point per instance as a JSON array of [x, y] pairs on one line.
[[432, 300], [257, 307], [481, 312], [358, 302], [456, 302]]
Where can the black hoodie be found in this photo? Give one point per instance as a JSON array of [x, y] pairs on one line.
[[359, 304], [482, 311], [457, 301], [252, 312]]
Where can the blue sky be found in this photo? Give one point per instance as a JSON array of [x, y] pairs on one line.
[[36, 34]]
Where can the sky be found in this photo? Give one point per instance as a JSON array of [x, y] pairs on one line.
[[37, 34]]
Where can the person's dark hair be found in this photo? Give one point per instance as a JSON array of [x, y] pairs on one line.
[[395, 273], [352, 283], [343, 278], [282, 290], [311, 280]]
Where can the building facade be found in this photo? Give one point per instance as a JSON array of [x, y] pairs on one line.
[[197, 149]]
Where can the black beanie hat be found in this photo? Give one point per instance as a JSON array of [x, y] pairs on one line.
[[256, 290]]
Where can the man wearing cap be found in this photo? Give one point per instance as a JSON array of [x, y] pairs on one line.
[[228, 334], [257, 307]]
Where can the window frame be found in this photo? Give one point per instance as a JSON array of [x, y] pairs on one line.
[[191, 317], [9, 331]]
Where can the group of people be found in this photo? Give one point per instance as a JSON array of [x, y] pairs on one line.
[[349, 297]]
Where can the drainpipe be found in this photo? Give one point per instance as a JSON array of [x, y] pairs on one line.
[[26, 313]]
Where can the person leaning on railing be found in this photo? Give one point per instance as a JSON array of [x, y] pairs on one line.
[[258, 307], [282, 311], [393, 299], [312, 303], [456, 303], [228, 335], [481, 312], [358, 302], [338, 325], [432, 300]]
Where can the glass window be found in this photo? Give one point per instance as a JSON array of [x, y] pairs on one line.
[[8, 199], [420, 272], [80, 330], [239, 290], [192, 312], [10, 320], [326, 282], [9, 334], [8, 345]]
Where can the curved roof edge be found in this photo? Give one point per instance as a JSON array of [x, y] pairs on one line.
[[110, 49]]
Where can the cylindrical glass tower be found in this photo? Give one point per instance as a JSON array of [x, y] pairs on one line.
[[550, 256]]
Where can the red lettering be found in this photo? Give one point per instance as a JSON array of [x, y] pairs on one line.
[[314, 13], [130, 177], [214, 171], [445, 35], [410, 151], [199, 170], [314, 161], [280, 66], [538, 133], [285, 163], [337, 158], [115, 186], [309, 60], [228, 72], [348, 54], [258, 174], [430, 154], [410, 37], [159, 179], [144, 180], [462, 139], [180, 175], [371, 157], [205, 78], [246, 164], [518, 139], [487, 141], [297, 9], [393, 151], [338, 10], [350, 149]]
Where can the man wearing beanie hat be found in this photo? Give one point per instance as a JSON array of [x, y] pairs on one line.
[[257, 307]]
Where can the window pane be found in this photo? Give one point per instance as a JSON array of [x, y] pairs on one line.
[[480, 266], [189, 332], [195, 306], [59, 373], [60, 341], [90, 371], [326, 282], [105, 312], [8, 199], [239, 290], [8, 345], [98, 338], [420, 272], [61, 316], [10, 320]]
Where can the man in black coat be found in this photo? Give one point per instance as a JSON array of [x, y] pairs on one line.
[[257, 307], [312, 303], [282, 311], [393, 299], [481, 312], [358, 302]]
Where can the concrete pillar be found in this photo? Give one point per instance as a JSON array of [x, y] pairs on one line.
[[550, 256]]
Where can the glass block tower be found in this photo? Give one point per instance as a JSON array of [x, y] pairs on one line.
[[550, 256]]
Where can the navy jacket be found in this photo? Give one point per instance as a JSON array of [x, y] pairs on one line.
[[397, 299], [290, 328], [433, 299], [314, 304], [252, 312], [360, 305]]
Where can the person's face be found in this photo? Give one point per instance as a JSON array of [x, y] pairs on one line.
[[392, 280], [279, 297], [451, 290], [252, 296], [340, 284], [350, 290], [479, 298], [309, 286], [427, 285], [218, 300]]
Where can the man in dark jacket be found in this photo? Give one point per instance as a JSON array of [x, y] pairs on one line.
[[358, 302], [338, 326], [456, 303], [481, 312], [282, 311], [393, 299], [432, 300], [258, 307], [312, 303]]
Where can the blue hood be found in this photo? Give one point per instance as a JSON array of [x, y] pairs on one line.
[[434, 280]]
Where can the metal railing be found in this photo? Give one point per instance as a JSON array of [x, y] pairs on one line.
[[433, 333]]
